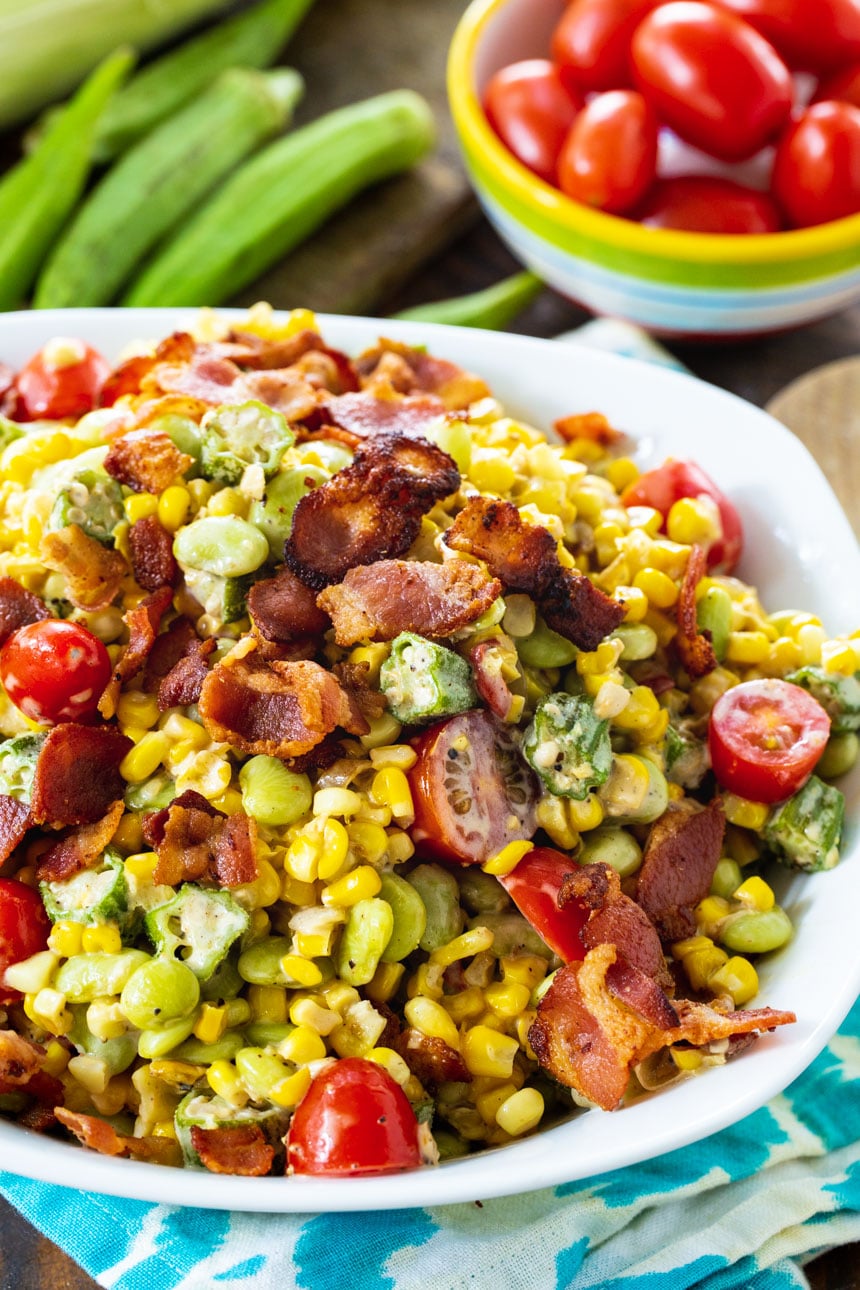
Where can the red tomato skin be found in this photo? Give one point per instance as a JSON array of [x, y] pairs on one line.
[[54, 671], [534, 886], [842, 87], [753, 713], [24, 928], [354, 1119], [816, 170], [708, 204], [711, 77], [609, 158], [666, 484], [811, 35], [53, 392], [531, 111], [591, 43]]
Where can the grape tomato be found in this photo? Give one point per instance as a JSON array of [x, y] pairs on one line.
[[816, 171], [591, 43], [609, 158], [531, 111]]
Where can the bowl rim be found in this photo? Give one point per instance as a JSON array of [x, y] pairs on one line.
[[665, 244]]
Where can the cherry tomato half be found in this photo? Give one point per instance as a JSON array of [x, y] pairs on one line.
[[472, 791], [63, 380], [842, 86], [24, 928], [54, 671], [531, 111], [534, 886], [354, 1119], [708, 204], [609, 158], [591, 43], [711, 77], [765, 737], [667, 484], [816, 171], [811, 35]]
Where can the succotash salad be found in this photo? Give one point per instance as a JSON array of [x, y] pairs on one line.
[[380, 781]]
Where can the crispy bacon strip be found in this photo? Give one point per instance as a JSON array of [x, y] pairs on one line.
[[146, 460], [363, 415], [615, 919], [694, 647], [429, 1058], [15, 820], [241, 1149], [169, 647], [376, 602], [18, 607], [587, 425], [370, 510], [143, 622], [524, 557], [152, 559], [250, 350], [283, 609], [98, 1135], [167, 405], [77, 774], [93, 572], [184, 681], [391, 363], [290, 391], [680, 857], [194, 840], [590, 1039], [129, 376], [282, 709], [80, 849], [20, 1060]]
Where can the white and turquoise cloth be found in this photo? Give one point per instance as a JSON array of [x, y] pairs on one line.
[[742, 1210]]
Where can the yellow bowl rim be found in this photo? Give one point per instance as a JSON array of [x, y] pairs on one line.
[[716, 248]]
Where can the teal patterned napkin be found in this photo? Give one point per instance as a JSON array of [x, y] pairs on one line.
[[741, 1210]]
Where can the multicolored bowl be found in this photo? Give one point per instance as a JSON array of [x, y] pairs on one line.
[[701, 285]]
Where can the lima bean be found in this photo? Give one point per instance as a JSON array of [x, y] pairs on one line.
[[615, 847], [161, 1040], [367, 932], [159, 992], [545, 648], [273, 516], [756, 931], [271, 793], [440, 896], [223, 1049], [410, 917], [99, 975], [260, 964], [225, 545]]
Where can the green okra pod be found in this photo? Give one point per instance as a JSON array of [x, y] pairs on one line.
[[149, 191], [38, 194], [281, 196], [253, 38], [493, 308]]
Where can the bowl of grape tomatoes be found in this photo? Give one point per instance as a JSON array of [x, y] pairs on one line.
[[692, 166]]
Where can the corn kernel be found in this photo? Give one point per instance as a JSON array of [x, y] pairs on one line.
[[506, 860], [56, 1058], [339, 995], [368, 841], [756, 893], [747, 648], [521, 1112], [686, 1059], [210, 1024], [507, 998], [400, 756], [522, 1025], [137, 709], [335, 847], [489, 1101], [736, 977], [474, 941], [360, 884], [426, 980], [32, 974], [105, 1019], [129, 835], [144, 758], [635, 603], [526, 969], [384, 729], [431, 1019], [520, 616], [91, 1072], [384, 983], [227, 501], [584, 815], [373, 656], [140, 506], [65, 939], [701, 965], [465, 1005], [302, 971], [302, 859], [399, 847], [298, 893], [391, 1062], [304, 1012], [290, 1091], [103, 939], [746, 814], [48, 1009], [141, 866], [661, 591], [267, 1002], [487, 1052], [810, 639], [621, 472], [710, 913], [680, 949], [223, 1079], [641, 709], [303, 1045], [694, 519], [840, 657], [173, 507], [164, 1129], [390, 787], [230, 802]]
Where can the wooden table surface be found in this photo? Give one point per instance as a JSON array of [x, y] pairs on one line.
[[370, 260]]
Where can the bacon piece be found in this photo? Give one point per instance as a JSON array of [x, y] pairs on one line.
[[391, 362], [152, 559], [590, 1039], [15, 820], [93, 572], [362, 415], [615, 919], [284, 609], [593, 426], [694, 648], [193, 840], [143, 622], [20, 1060], [129, 376], [80, 849], [250, 350], [98, 1135], [167, 405], [146, 460], [524, 557], [641, 992], [282, 709], [184, 681], [376, 602], [241, 1149], [169, 647], [678, 865], [370, 510], [432, 1060], [325, 754], [288, 392], [18, 608], [354, 679], [77, 774]]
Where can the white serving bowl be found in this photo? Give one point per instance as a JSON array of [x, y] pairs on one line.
[[794, 528]]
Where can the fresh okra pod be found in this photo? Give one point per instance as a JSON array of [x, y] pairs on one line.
[[37, 195], [253, 38], [492, 308], [236, 436], [568, 745], [281, 196], [197, 927], [93, 501], [93, 896], [804, 832], [422, 680], [149, 191], [838, 695]]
